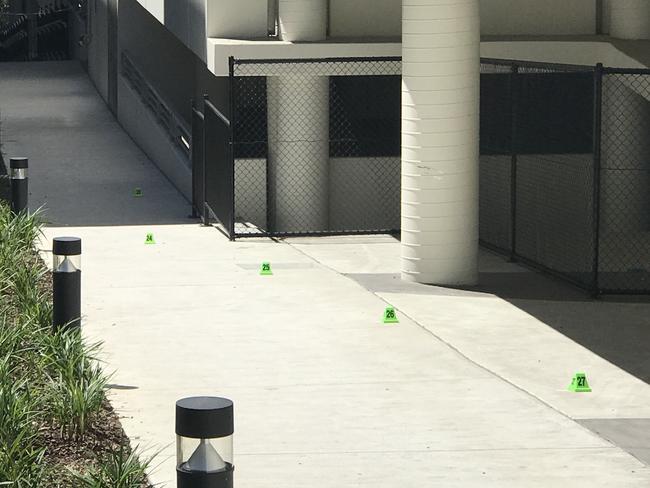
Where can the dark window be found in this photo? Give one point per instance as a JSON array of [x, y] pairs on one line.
[[365, 116]]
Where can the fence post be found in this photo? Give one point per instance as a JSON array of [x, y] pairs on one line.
[[514, 96], [231, 143], [598, 114], [192, 153], [32, 33], [204, 205]]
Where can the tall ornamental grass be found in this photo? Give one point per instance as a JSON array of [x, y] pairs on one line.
[[47, 379]]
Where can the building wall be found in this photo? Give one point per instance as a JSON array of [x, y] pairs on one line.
[[498, 17], [165, 62], [169, 67], [186, 19], [365, 18], [151, 137], [155, 8], [534, 17], [194, 20], [176, 73], [237, 19], [98, 46]]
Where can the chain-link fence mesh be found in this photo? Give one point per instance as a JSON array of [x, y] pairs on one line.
[[625, 182], [565, 171], [317, 146], [564, 160], [496, 156], [536, 165]]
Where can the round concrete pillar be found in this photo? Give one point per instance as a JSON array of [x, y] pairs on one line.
[[629, 19], [440, 132], [302, 20], [298, 125], [298, 129]]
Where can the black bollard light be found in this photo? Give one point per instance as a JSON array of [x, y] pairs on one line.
[[66, 283], [19, 184], [204, 433]]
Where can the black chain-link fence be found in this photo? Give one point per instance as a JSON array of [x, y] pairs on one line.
[[624, 183], [537, 165], [316, 146], [564, 171], [313, 147]]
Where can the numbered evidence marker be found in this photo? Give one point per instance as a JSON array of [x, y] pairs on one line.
[[390, 317], [149, 239], [579, 384], [265, 269], [137, 193]]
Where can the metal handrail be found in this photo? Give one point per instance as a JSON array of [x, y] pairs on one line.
[[178, 131]]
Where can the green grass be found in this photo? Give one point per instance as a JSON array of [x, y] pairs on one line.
[[76, 383], [118, 469], [50, 382], [21, 454]]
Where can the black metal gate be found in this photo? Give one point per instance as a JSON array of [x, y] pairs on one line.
[[217, 188]]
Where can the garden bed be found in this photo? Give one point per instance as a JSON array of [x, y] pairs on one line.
[[57, 429], [5, 188]]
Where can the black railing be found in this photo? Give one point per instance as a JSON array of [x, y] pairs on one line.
[[198, 161], [173, 125]]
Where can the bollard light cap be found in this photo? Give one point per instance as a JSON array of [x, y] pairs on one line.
[[18, 163], [66, 246], [204, 417]]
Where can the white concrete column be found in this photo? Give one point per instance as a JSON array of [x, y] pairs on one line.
[[298, 128], [298, 142], [302, 20], [440, 132], [629, 19]]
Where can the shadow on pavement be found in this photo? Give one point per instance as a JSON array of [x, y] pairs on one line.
[[615, 328]]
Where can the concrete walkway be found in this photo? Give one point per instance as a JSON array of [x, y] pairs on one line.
[[468, 390]]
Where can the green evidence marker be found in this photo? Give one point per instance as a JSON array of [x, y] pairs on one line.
[[390, 317], [579, 384], [265, 269]]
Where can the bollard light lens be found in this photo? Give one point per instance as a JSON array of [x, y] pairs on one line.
[[18, 173], [205, 458], [67, 264], [204, 455], [67, 254]]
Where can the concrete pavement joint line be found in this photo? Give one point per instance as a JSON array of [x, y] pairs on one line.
[[306, 385], [414, 451], [523, 390], [148, 286], [453, 348]]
